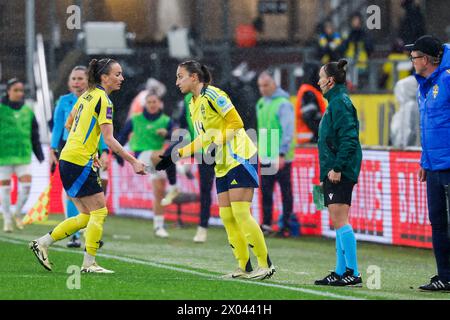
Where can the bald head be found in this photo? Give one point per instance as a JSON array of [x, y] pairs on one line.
[[266, 84]]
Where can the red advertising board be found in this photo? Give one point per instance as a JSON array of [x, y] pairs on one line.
[[305, 173], [410, 221], [389, 204]]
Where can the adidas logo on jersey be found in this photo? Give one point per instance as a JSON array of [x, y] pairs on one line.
[[234, 181]]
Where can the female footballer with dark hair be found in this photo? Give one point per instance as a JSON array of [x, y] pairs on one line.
[[220, 129], [79, 164], [340, 158]]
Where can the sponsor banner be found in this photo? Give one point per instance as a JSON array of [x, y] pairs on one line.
[[389, 204], [411, 225], [305, 173], [370, 213]]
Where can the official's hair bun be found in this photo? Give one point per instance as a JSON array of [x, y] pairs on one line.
[[342, 63]]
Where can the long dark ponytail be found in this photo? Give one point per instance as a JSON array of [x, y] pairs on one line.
[[97, 68], [202, 71]]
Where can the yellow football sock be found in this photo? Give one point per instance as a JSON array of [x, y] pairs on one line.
[[94, 230], [252, 231], [70, 226], [236, 238]]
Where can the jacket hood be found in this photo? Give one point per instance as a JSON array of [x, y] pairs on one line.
[[445, 64], [406, 90]]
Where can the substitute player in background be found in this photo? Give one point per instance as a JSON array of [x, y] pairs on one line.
[[79, 164], [340, 159], [78, 83], [147, 132], [220, 132], [19, 134]]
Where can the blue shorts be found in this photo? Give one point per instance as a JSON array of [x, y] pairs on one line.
[[243, 176], [79, 181]]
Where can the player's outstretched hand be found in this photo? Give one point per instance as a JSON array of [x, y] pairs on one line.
[[166, 158], [139, 167]]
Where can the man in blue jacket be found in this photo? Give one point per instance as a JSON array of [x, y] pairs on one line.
[[431, 60]]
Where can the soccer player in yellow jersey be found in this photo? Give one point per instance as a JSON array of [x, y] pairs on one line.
[[220, 132], [79, 164]]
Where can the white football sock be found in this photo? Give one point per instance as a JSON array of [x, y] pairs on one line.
[[46, 240], [158, 222], [22, 197], [5, 195]]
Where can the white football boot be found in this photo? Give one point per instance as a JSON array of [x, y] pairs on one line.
[[161, 232], [201, 235], [95, 268], [41, 253], [238, 273], [172, 194], [262, 273]]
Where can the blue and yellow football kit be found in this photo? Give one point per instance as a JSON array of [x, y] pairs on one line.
[[212, 113], [235, 160], [79, 177]]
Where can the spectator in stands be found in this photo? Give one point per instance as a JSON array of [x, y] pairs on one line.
[[310, 106], [431, 62], [340, 159], [274, 111], [397, 67], [19, 134], [329, 43], [412, 26], [358, 47], [405, 122]]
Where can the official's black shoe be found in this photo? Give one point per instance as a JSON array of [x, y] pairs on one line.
[[74, 242], [328, 280], [436, 284], [348, 279]]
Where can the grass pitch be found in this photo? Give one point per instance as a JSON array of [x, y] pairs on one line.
[[178, 269]]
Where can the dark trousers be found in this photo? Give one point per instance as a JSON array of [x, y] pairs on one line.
[[171, 173], [207, 174], [438, 211], [283, 177]]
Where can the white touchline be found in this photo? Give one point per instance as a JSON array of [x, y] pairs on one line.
[[201, 274]]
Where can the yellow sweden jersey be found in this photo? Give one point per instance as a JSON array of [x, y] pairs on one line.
[[207, 114], [93, 108]]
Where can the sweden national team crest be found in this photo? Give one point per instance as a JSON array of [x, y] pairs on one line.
[[435, 91], [203, 110]]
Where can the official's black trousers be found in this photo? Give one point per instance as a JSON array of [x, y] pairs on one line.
[[206, 172], [438, 211], [283, 177]]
